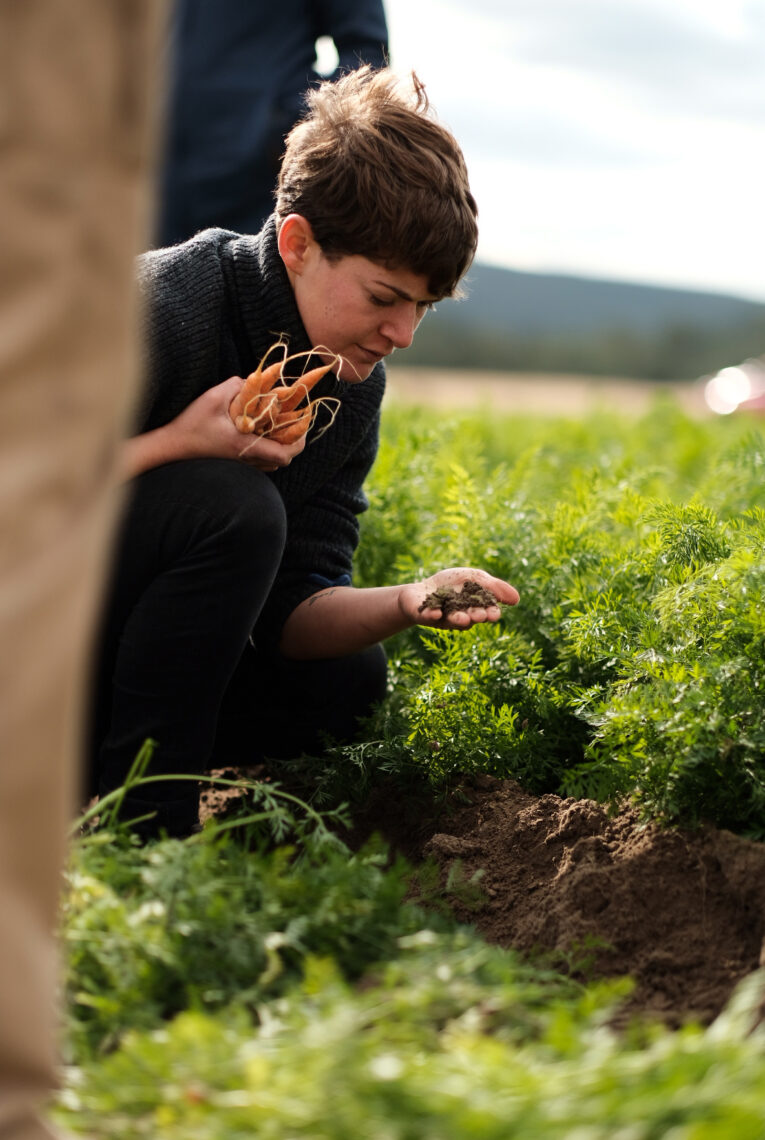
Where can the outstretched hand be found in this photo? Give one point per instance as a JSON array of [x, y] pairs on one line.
[[413, 594]]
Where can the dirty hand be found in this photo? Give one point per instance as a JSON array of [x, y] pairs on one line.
[[447, 583]]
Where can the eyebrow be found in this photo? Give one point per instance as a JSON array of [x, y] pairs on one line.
[[404, 295]]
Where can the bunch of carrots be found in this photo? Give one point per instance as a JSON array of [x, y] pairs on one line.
[[272, 406]]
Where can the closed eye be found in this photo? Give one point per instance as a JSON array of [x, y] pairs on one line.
[[386, 303]]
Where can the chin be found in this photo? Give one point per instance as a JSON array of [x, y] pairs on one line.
[[353, 372]]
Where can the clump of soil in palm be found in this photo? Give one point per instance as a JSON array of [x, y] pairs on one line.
[[450, 600]]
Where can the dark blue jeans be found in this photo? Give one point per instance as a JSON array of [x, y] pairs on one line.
[[197, 554]]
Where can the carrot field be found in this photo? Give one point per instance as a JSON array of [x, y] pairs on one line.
[[530, 900]]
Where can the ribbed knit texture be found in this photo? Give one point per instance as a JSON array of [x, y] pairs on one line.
[[212, 307]]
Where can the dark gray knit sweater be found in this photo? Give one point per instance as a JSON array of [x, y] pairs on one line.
[[212, 307]]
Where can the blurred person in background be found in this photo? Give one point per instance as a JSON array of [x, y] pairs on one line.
[[239, 72], [74, 109]]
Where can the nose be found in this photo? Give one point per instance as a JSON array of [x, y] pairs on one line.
[[399, 327]]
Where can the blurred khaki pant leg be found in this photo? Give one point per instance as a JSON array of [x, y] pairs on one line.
[[75, 100]]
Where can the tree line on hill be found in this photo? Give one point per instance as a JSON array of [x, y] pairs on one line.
[[677, 352], [514, 321]]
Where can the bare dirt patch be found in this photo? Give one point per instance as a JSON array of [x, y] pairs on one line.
[[681, 912]]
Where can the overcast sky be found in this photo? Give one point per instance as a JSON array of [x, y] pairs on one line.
[[609, 138]]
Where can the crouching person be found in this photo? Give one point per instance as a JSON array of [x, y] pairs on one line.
[[233, 629]]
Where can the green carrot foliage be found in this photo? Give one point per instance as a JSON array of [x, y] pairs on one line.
[[634, 664]]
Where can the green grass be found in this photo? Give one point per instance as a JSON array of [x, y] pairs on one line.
[[224, 987]]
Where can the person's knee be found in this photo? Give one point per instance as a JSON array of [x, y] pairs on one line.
[[259, 525], [250, 509], [222, 510]]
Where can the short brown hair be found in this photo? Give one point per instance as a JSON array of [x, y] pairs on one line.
[[375, 175]]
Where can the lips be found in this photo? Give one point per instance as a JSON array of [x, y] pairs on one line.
[[375, 357], [360, 362]]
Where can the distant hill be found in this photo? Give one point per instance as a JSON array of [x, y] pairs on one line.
[[532, 302], [512, 319]]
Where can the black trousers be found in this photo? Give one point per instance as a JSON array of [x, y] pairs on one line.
[[197, 554]]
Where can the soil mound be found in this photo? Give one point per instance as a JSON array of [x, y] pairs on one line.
[[681, 912]]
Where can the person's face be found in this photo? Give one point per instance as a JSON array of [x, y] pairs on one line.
[[351, 307]]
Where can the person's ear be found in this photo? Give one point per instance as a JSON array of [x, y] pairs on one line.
[[296, 241]]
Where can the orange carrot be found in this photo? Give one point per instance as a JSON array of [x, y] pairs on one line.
[[265, 407], [293, 426], [257, 384], [293, 394]]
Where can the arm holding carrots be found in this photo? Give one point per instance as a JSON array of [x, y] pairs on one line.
[[343, 620], [336, 621], [205, 430]]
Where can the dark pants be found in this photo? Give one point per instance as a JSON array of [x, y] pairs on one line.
[[196, 558]]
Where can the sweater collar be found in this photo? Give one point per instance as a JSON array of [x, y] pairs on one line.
[[264, 296]]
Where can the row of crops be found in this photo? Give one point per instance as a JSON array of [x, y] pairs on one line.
[[635, 662], [261, 979]]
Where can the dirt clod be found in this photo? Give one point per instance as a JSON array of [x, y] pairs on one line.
[[450, 600]]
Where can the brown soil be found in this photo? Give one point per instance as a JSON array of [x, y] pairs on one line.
[[681, 912], [450, 600]]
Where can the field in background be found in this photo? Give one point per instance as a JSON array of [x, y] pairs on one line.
[[536, 392]]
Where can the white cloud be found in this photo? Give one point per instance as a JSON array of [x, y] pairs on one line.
[[620, 138]]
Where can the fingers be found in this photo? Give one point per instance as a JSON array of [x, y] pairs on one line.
[[460, 619], [229, 389], [268, 455], [502, 591]]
